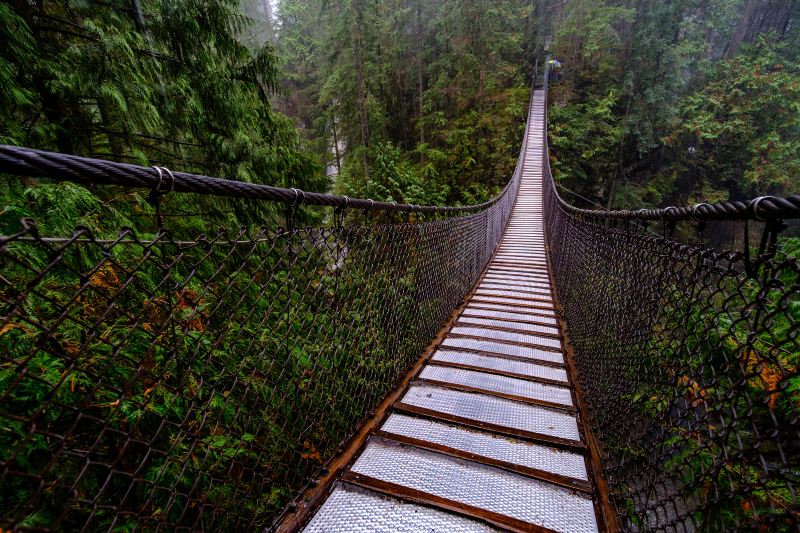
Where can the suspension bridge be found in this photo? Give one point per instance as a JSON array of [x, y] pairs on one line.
[[580, 370]]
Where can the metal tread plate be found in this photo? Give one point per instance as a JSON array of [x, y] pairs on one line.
[[504, 349], [505, 280], [507, 336], [519, 271], [529, 254], [525, 286], [544, 316], [494, 410], [523, 261], [501, 384], [353, 509], [512, 281], [504, 276], [530, 250], [512, 301], [531, 292], [517, 326], [486, 487], [538, 260], [542, 277], [521, 294], [501, 364], [486, 444]]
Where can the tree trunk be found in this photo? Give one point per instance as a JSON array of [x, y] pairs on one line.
[[420, 88], [336, 145], [358, 53], [741, 28], [770, 15]]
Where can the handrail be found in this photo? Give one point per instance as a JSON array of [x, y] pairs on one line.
[[66, 167]]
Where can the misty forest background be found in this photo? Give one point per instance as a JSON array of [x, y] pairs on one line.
[[418, 101]]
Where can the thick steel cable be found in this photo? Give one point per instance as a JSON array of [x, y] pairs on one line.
[[65, 167]]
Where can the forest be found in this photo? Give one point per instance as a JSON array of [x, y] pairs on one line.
[[657, 103], [195, 342]]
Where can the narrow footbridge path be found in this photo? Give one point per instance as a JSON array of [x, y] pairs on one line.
[[487, 434]]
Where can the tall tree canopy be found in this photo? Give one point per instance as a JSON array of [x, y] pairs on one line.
[[677, 102], [445, 82], [438, 87], [150, 81]]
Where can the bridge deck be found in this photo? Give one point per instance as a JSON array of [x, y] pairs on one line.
[[488, 434]]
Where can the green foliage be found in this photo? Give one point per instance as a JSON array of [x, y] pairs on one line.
[[584, 138], [171, 86], [216, 379], [443, 82], [742, 129], [395, 180], [690, 121], [709, 358]]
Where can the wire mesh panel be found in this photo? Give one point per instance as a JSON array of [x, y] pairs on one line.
[[688, 358], [202, 383]]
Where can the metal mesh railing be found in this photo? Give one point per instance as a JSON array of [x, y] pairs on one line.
[[688, 359], [203, 383]]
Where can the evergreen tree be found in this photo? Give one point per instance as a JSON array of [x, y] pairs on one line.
[[154, 82]]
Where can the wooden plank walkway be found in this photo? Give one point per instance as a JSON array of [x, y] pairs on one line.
[[487, 435]]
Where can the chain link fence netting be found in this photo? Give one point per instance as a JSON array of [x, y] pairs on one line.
[[688, 358], [203, 383]]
